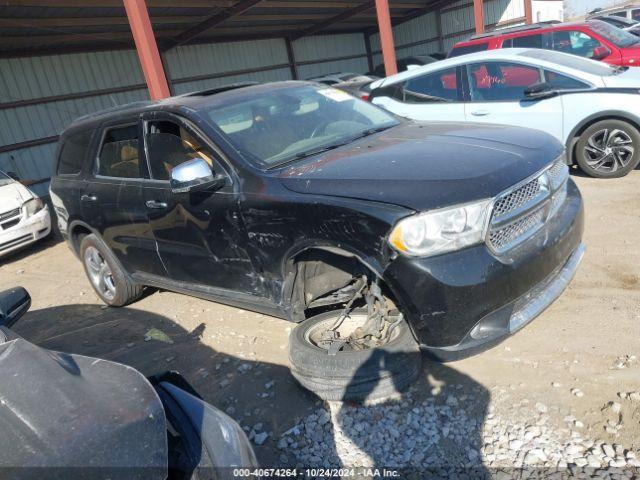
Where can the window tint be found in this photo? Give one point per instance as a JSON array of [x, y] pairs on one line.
[[169, 145], [562, 82], [528, 41], [500, 81], [465, 49], [74, 152], [440, 86], [619, 14], [635, 14], [575, 43], [119, 153]]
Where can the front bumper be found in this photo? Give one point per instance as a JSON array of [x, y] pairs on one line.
[[467, 301], [27, 231]]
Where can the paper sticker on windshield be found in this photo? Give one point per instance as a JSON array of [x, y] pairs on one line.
[[335, 94]]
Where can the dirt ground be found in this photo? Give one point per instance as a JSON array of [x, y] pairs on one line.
[[232, 356]]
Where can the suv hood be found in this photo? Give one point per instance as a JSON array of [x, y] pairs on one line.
[[13, 196], [424, 166]]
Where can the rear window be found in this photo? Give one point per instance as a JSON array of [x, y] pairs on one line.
[[466, 49], [74, 152], [527, 41]]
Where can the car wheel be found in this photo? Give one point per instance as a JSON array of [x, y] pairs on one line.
[[108, 279], [608, 149], [352, 374]]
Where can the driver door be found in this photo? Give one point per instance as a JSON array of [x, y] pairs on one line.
[[496, 95], [199, 234]]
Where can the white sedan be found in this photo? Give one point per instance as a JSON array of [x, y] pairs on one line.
[[591, 107], [24, 218]]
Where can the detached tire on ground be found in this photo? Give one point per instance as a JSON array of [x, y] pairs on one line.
[[355, 374], [608, 149], [108, 279]]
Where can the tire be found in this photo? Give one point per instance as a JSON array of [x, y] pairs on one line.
[[117, 291], [603, 142], [354, 375]]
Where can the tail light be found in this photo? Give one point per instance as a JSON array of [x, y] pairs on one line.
[[364, 96]]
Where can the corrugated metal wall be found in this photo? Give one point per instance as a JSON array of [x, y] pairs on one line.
[[197, 67]]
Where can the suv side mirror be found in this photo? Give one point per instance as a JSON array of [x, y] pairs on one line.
[[600, 52], [194, 175], [14, 304], [540, 91]]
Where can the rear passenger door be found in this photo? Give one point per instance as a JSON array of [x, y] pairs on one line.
[[433, 96], [113, 202], [496, 95]]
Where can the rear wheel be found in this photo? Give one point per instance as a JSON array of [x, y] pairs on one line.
[[335, 368], [110, 282], [608, 149]]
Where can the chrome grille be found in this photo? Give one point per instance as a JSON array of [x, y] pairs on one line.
[[521, 211], [7, 215], [503, 238], [516, 199]]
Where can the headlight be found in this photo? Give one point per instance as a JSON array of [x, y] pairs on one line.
[[439, 231], [33, 206]]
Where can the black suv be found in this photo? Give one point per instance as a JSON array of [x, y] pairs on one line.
[[289, 198]]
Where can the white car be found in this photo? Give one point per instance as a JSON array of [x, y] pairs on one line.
[[334, 78], [24, 217], [591, 107]]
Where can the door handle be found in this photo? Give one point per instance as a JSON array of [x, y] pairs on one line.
[[155, 204], [480, 113], [88, 198]]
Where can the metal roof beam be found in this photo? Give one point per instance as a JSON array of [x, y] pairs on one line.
[[211, 22], [116, 3], [352, 12]]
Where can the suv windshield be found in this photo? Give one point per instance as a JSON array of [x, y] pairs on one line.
[[278, 126], [5, 179], [620, 38], [591, 67]]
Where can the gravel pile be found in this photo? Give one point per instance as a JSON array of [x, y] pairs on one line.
[[451, 430]]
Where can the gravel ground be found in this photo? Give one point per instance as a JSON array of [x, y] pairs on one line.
[[565, 388]]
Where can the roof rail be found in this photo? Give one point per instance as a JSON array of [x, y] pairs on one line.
[[223, 88], [519, 28]]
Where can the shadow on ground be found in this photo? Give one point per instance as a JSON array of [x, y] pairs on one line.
[[263, 397]]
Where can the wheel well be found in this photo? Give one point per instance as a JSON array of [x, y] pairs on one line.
[[321, 278], [77, 234], [580, 131]]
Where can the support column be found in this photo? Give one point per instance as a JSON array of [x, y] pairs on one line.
[[439, 30], [147, 49], [292, 58], [528, 12], [367, 46], [478, 14], [386, 37]]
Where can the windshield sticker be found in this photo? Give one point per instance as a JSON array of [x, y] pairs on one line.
[[335, 94]]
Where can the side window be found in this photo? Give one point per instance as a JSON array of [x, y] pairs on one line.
[[74, 152], [501, 81], [575, 42], [635, 14], [465, 49], [440, 86], [562, 82], [118, 155], [619, 14], [528, 41], [168, 145]]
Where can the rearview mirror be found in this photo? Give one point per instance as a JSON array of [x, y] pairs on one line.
[[14, 304], [540, 91], [600, 52], [194, 175]]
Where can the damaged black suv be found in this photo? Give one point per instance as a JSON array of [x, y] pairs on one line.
[[378, 235]]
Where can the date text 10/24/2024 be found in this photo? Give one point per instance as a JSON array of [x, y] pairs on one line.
[[366, 472]]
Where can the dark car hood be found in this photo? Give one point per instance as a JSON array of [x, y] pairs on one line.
[[61, 413], [426, 165]]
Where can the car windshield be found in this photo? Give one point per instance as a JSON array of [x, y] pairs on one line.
[[5, 179], [283, 125], [620, 38], [591, 67]]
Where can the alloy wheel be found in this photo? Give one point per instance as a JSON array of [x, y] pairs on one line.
[[100, 273], [609, 150]]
